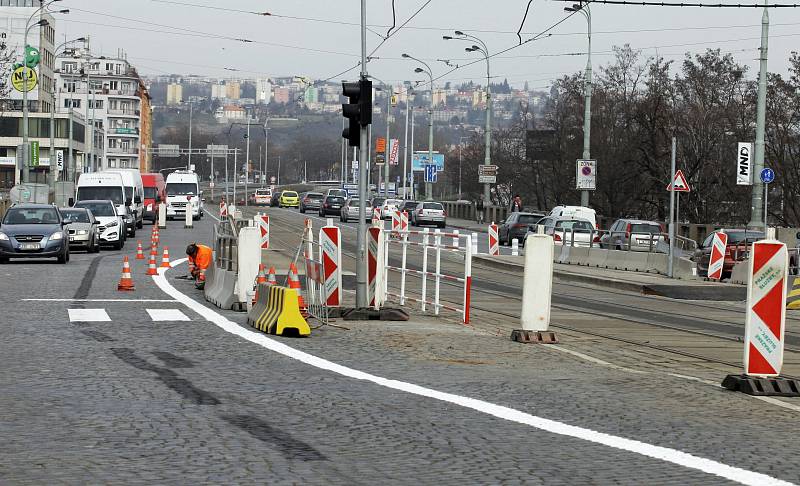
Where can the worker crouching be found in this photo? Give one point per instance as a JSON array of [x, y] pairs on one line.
[[200, 258]]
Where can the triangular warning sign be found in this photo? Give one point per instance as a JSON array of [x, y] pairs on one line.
[[679, 183]]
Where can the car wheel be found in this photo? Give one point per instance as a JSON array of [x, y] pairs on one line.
[[302, 210], [118, 244], [132, 232], [3, 260], [62, 258], [140, 224], [97, 245]]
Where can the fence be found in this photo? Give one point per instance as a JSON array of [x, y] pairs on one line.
[[427, 242]]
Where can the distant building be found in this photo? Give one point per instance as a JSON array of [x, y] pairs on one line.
[[218, 91], [478, 98], [174, 94], [281, 94], [311, 95], [233, 90], [227, 113], [439, 97], [263, 91]]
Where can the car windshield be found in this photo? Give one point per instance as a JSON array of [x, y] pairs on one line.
[[74, 216], [335, 199], [31, 216], [429, 205], [528, 219], [262, 192], [114, 194], [181, 188], [738, 237], [314, 195], [97, 208], [574, 224], [150, 192], [645, 228], [409, 204], [289, 194]]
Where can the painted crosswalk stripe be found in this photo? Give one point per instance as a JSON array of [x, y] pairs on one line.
[[88, 315], [158, 315]]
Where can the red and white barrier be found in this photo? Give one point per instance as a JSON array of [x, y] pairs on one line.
[[262, 220], [375, 266], [223, 210], [330, 241], [494, 241], [766, 308], [717, 258]]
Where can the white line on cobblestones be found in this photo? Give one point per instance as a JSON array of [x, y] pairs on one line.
[[657, 452], [99, 300], [158, 315]]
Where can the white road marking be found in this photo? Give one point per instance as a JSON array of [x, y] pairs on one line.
[[656, 452], [99, 300], [158, 315], [88, 315]]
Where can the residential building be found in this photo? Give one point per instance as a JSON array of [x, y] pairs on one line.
[[281, 94], [174, 94], [110, 92], [233, 90], [227, 113], [439, 97], [478, 98], [218, 91], [263, 91], [311, 95]]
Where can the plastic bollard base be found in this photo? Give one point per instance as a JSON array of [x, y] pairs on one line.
[[774, 386], [534, 337]]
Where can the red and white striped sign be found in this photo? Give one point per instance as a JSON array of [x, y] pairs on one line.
[[263, 227], [404, 221], [395, 222], [717, 258], [376, 217], [330, 244], [375, 266], [494, 242], [223, 209], [766, 308]]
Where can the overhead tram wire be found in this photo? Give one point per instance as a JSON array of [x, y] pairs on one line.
[[686, 4]]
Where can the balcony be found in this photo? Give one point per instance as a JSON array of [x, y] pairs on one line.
[[124, 112], [122, 150], [123, 131]]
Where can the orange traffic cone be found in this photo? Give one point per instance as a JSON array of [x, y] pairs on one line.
[[139, 251], [126, 281], [261, 277], [151, 264], [271, 280], [294, 283], [165, 258]]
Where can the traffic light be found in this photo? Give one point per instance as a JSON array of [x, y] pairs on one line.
[[358, 111]]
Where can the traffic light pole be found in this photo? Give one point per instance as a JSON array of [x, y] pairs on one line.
[[362, 298]]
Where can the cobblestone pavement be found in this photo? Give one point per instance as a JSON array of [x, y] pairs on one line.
[[138, 400]]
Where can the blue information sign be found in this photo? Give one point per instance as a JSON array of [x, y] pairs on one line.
[[420, 159], [430, 173], [767, 175]]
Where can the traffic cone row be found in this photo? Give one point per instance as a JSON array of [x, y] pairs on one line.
[[271, 280], [126, 281], [294, 283], [165, 258], [260, 278], [151, 264], [139, 251]]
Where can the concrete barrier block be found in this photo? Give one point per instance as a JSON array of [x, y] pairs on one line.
[[210, 281], [579, 256], [598, 257], [249, 257], [658, 263], [740, 273], [617, 259], [562, 252]]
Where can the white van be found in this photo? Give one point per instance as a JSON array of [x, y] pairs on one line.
[[580, 212], [183, 191], [105, 185], [134, 194]]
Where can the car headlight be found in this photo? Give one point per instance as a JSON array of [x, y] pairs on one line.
[[3, 237], [112, 224], [56, 236]]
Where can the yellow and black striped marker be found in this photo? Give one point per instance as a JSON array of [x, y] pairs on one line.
[[793, 298], [277, 312]]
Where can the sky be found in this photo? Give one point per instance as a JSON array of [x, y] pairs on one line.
[[321, 38]]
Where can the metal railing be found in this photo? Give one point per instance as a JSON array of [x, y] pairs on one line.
[[621, 240]]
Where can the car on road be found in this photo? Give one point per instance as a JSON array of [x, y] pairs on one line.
[[408, 206], [183, 194], [336, 192], [389, 206], [83, 233], [569, 231], [579, 212], [262, 197], [311, 201], [155, 192], [429, 212], [111, 225], [737, 249], [275, 199], [350, 210], [289, 199], [331, 205], [34, 231], [516, 226], [641, 235]]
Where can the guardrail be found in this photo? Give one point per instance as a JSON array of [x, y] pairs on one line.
[[621, 240]]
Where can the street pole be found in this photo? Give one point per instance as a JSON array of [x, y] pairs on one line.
[[459, 171], [671, 211], [53, 166], [362, 299], [587, 106], [757, 209], [235, 164], [487, 188], [247, 162], [189, 164], [766, 214], [344, 158], [279, 170], [227, 180], [411, 182], [266, 145], [70, 168], [429, 185], [405, 151], [213, 176], [388, 145]]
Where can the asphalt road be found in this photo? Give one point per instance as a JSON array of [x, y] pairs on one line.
[[153, 387]]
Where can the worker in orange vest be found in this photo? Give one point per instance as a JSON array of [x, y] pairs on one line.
[[200, 258]]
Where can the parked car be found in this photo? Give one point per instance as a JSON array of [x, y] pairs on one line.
[[262, 197], [311, 201], [276, 198], [155, 192], [289, 199], [350, 210], [579, 212], [562, 230], [83, 231], [429, 212], [34, 231], [640, 234], [111, 225], [331, 205], [516, 226], [739, 242]]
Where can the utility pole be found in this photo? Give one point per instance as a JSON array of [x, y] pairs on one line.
[[411, 182], [405, 148], [757, 203], [362, 299], [189, 164], [387, 152], [247, 163]]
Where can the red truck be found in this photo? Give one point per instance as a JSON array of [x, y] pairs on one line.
[[155, 192]]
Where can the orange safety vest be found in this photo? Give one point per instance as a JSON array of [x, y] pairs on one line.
[[202, 260]]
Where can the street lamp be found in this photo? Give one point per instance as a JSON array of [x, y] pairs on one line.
[[53, 166], [429, 72], [587, 86], [389, 92], [484, 50]]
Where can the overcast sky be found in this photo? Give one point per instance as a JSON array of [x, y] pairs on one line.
[[182, 37]]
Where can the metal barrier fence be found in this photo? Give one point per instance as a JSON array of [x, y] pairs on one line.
[[226, 247], [622, 240], [428, 242], [313, 285]]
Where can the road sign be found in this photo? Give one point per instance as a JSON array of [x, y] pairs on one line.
[[420, 159], [380, 144], [430, 173], [487, 174], [272, 180], [354, 165], [394, 149], [744, 162], [60, 160], [380, 159], [24, 79], [767, 175], [679, 183], [586, 175], [166, 150], [717, 258], [34, 161]]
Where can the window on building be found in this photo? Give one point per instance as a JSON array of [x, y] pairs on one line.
[[69, 86], [97, 104], [69, 67], [73, 103], [113, 85]]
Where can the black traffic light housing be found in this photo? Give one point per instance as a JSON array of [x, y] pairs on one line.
[[358, 111]]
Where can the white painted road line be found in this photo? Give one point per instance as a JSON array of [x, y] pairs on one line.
[[88, 315], [99, 300], [666, 454], [159, 315]]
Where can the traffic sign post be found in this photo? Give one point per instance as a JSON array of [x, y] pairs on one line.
[[487, 174], [767, 177], [675, 188], [430, 173]]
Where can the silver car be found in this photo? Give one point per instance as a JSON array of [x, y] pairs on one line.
[[83, 229], [429, 213], [569, 231], [350, 210], [640, 234]]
